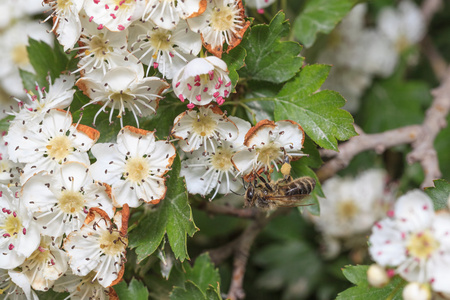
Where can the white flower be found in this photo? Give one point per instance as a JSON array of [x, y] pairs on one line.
[[267, 145], [134, 167], [9, 170], [222, 22], [19, 234], [403, 26], [101, 49], [165, 50], [208, 170], [200, 128], [259, 4], [352, 206], [100, 246], [13, 10], [416, 291], [81, 287], [55, 141], [45, 265], [66, 21], [167, 13], [13, 53], [203, 80], [60, 202], [415, 241], [124, 88], [112, 14], [15, 286], [59, 95]]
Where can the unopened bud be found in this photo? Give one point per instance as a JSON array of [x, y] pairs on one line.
[[377, 276], [416, 291]]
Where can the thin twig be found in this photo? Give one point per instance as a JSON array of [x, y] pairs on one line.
[[378, 142], [429, 8]]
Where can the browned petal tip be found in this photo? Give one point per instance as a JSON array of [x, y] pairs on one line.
[[202, 7], [137, 130], [92, 133], [256, 128], [119, 277]]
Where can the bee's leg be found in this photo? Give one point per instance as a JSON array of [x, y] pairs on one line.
[[264, 181]]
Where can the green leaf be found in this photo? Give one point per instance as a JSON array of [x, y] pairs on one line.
[[318, 113], [135, 291], [46, 60], [439, 194], [358, 275], [442, 144], [234, 60], [268, 58], [29, 80], [203, 273], [5, 122], [393, 103], [51, 295], [172, 216], [190, 292], [319, 16]]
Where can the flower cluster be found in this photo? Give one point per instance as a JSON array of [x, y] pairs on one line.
[[64, 221], [116, 40], [413, 243], [360, 53], [350, 208]]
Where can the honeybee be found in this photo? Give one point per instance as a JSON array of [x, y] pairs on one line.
[[285, 192]]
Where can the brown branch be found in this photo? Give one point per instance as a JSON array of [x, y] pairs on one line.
[[429, 8], [242, 250], [378, 142], [435, 120]]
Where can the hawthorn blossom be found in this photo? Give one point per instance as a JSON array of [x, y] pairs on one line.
[[222, 22], [167, 13], [267, 145], [404, 26], [203, 80], [99, 246], [9, 170], [14, 55], [114, 15], [66, 21], [164, 49], [81, 287], [54, 141], [45, 265], [200, 128], [60, 202], [212, 168], [101, 48], [59, 95], [15, 285], [414, 241], [134, 167], [20, 234], [124, 88], [350, 208]]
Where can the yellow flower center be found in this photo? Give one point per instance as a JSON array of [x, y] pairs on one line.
[[221, 160], [59, 147], [99, 46], [268, 153], [421, 245], [20, 55], [160, 40], [402, 43], [137, 169], [64, 4], [204, 126], [222, 19], [112, 243], [12, 225], [347, 209], [40, 255], [71, 201], [124, 5]]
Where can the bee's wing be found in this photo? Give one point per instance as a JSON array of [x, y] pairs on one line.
[[290, 201]]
